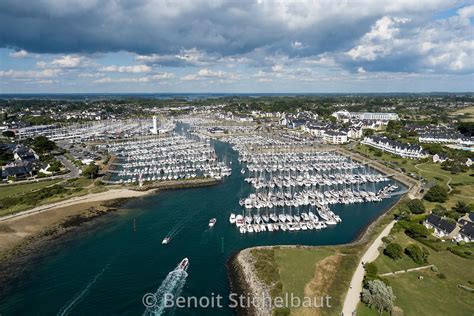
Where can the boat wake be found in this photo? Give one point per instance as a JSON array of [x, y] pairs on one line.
[[66, 309], [172, 285], [180, 226]]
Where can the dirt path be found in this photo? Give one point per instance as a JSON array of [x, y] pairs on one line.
[[353, 294], [407, 270], [438, 174], [93, 197]]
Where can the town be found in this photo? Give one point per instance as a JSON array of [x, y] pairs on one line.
[[303, 157]]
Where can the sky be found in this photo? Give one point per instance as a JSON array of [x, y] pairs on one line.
[[246, 46]]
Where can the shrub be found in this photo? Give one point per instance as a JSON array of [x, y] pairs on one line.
[[394, 251], [434, 269], [417, 254], [415, 230], [439, 210], [462, 207], [436, 193], [371, 269], [441, 275], [416, 206]]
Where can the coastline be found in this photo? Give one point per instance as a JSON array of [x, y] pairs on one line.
[[242, 275], [243, 281], [28, 236], [21, 256]]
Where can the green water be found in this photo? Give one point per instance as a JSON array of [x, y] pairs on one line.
[[107, 272]]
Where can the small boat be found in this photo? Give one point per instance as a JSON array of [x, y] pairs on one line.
[[183, 265], [212, 222], [232, 218], [166, 240]]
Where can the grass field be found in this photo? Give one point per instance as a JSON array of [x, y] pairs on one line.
[[309, 273], [431, 294], [20, 197], [465, 115], [23, 188]]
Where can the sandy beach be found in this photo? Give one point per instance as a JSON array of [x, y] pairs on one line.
[[14, 228]]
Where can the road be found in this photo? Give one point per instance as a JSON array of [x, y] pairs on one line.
[[353, 295], [73, 170]]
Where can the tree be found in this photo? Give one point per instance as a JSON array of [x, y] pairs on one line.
[[462, 207], [371, 269], [466, 128], [378, 295], [91, 171], [394, 251], [436, 193], [417, 254], [9, 134], [416, 206], [368, 132], [43, 145], [439, 210]]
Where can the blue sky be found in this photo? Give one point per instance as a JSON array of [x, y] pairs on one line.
[[236, 46]]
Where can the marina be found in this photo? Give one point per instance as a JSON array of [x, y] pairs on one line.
[[161, 158], [138, 259]]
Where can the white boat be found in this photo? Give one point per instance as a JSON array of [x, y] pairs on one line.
[[232, 218], [212, 222], [183, 265], [166, 240]]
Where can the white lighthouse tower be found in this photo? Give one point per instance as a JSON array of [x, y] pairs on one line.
[[154, 130]]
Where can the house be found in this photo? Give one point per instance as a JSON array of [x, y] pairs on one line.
[[440, 158], [354, 132], [466, 233], [296, 123], [468, 162], [439, 137], [25, 154], [335, 137], [16, 172], [411, 151], [442, 227]]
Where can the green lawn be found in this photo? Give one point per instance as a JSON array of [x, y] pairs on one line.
[[431, 295], [21, 197], [364, 310], [14, 189], [297, 266], [308, 272]]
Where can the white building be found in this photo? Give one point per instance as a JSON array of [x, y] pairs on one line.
[[335, 137], [410, 151], [345, 115]]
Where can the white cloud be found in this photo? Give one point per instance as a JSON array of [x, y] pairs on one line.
[[19, 54], [206, 73], [29, 74], [145, 79], [127, 69], [66, 62], [379, 41]]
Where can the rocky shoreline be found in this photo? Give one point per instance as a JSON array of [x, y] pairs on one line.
[[244, 281]]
